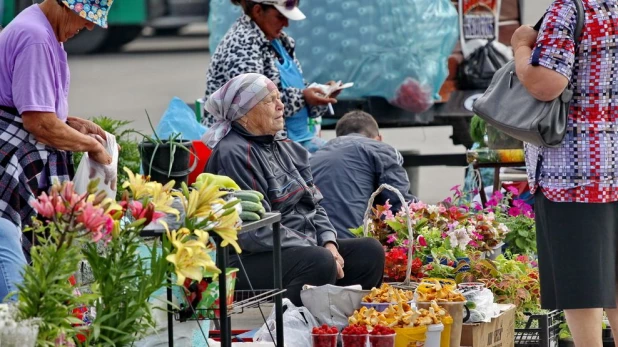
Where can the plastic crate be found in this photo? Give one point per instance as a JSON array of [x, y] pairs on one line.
[[542, 330]]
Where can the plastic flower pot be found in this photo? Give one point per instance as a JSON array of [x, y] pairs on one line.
[[324, 340], [159, 165]]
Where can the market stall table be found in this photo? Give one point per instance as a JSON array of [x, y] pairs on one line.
[[274, 219]]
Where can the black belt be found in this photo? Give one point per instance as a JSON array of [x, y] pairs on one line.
[[11, 110]]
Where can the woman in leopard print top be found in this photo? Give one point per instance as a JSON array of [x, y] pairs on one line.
[[256, 43]]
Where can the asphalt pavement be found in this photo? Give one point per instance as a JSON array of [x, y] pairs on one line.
[[150, 71]]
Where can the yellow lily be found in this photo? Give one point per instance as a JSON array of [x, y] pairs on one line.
[[190, 260], [208, 196], [227, 228], [137, 184], [162, 198]]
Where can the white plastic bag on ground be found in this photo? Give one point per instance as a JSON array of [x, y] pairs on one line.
[[332, 305], [89, 170], [297, 325]]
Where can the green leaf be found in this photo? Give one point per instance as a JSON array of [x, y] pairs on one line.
[[231, 204], [523, 232], [228, 212], [520, 243], [154, 132]]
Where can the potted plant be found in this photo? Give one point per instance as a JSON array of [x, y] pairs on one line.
[[168, 159]]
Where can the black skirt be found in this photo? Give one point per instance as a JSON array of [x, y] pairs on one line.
[[577, 253]]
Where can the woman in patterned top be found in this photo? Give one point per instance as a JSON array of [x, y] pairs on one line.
[[256, 43], [36, 132], [576, 184]]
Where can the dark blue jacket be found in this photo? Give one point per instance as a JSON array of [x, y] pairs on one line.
[[280, 171], [348, 169]]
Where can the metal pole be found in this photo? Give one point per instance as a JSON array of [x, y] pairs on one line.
[[170, 315], [278, 283], [226, 329]]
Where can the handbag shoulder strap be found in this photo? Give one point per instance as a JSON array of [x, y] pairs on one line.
[[579, 26]]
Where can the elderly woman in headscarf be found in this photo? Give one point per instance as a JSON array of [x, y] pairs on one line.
[[256, 43], [37, 134], [246, 148]]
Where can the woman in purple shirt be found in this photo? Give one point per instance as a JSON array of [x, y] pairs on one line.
[[36, 133]]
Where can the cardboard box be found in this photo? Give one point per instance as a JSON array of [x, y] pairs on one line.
[[500, 332]]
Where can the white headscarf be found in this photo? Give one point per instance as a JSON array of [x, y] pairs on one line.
[[232, 101]]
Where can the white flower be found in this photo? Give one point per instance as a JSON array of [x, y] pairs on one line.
[[433, 209], [490, 217], [471, 228], [459, 238], [503, 228]]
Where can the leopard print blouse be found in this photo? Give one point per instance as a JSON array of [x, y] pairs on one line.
[[244, 49]]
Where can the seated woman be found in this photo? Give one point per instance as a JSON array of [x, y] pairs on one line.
[[249, 114]]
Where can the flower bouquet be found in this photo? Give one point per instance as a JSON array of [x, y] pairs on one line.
[[107, 234]]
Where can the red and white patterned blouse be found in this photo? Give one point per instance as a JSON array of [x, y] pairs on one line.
[[585, 167]]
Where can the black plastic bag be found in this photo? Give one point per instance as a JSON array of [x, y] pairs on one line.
[[476, 71]]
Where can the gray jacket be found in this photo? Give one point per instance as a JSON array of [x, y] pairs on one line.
[[279, 169], [348, 169]]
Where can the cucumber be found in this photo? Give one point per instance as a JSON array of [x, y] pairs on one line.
[[247, 196], [251, 206], [249, 216], [256, 193]]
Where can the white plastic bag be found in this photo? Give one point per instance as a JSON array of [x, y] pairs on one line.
[[89, 170], [297, 325], [332, 305], [483, 308]]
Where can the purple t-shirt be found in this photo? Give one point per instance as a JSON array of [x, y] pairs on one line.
[[34, 74]]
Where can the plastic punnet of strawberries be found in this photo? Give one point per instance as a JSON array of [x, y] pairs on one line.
[[382, 336], [354, 336], [324, 336]]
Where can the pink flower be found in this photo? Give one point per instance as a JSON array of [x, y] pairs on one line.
[[514, 211], [387, 206], [43, 206], [441, 209], [93, 218], [421, 241], [497, 195], [139, 211], [492, 202], [388, 215], [478, 206], [522, 258], [391, 238], [514, 191], [416, 206]]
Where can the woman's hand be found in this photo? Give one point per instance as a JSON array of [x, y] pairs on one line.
[[315, 97], [336, 93], [524, 36], [338, 259], [85, 127], [100, 155]]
